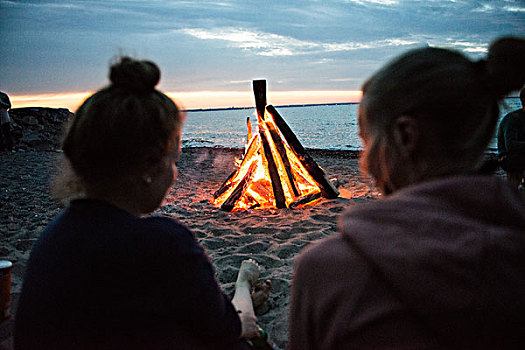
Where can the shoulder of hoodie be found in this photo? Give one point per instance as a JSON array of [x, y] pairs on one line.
[[327, 258], [447, 212], [446, 193]]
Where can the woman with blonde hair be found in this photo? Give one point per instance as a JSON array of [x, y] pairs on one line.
[[439, 262], [102, 275]]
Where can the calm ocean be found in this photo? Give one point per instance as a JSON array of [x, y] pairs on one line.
[[319, 127]]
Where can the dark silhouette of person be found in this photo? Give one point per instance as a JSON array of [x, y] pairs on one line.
[[6, 142], [511, 143], [106, 275]]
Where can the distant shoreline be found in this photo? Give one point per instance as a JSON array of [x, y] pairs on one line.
[[287, 106], [280, 106]]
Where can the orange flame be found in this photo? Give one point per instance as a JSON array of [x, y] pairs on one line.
[[257, 190]]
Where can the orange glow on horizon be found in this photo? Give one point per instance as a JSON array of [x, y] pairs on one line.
[[198, 99], [69, 100]]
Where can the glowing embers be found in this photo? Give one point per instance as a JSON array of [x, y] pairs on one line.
[[276, 171]]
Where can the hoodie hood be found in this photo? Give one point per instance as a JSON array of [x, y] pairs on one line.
[[452, 250]]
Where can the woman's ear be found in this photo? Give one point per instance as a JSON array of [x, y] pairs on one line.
[[407, 135]]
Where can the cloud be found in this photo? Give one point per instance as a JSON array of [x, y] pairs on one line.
[[323, 61], [470, 47], [344, 79], [375, 2], [233, 82], [514, 9], [269, 44], [484, 8], [86, 6], [264, 44]]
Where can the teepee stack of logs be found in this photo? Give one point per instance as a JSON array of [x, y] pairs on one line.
[[276, 171]]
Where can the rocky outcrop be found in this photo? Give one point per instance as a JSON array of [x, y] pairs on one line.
[[38, 128]]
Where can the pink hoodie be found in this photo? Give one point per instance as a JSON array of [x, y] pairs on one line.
[[440, 264]]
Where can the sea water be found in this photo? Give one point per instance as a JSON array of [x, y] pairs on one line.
[[316, 126]]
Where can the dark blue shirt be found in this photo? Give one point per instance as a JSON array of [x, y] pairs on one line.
[[99, 277]]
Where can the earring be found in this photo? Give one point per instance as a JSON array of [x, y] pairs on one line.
[[147, 179]]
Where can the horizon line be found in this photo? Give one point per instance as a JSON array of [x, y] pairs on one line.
[[230, 108], [276, 106], [200, 100], [191, 101]]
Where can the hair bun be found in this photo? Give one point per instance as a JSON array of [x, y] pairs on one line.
[[506, 64], [134, 76]]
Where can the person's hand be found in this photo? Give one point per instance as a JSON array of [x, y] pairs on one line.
[[249, 272], [249, 325]]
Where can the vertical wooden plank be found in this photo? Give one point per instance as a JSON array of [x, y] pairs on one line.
[[259, 90], [249, 133], [278, 193], [281, 148]]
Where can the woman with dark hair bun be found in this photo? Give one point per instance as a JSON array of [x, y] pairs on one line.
[[101, 276], [439, 262]]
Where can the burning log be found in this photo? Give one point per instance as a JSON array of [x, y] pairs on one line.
[[305, 200], [225, 186], [249, 127], [277, 187], [229, 204], [327, 188], [259, 90], [284, 157], [252, 148]]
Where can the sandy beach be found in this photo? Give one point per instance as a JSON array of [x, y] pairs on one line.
[[272, 237]]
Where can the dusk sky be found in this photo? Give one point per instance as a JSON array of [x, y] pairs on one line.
[[54, 53]]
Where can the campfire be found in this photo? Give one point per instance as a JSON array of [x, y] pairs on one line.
[[276, 171]]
